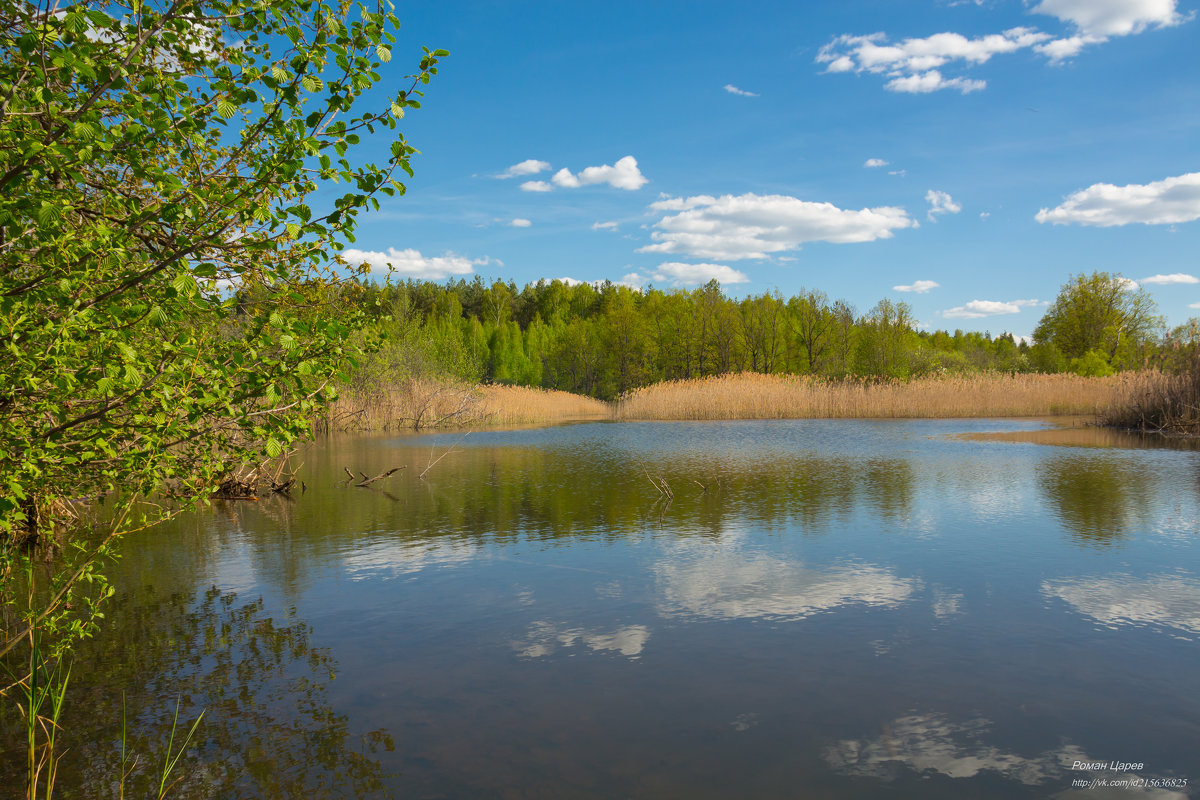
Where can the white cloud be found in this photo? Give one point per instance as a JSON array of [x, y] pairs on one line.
[[874, 162], [900, 172], [604, 226], [530, 166], [520, 223], [753, 226], [940, 203], [920, 287], [932, 81], [1193, 305], [681, 274], [977, 309], [565, 179], [1174, 277], [1168, 201], [1127, 285], [622, 175], [729, 87], [1101, 19], [1097, 21], [913, 64], [411, 264]]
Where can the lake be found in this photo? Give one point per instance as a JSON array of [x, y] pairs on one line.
[[824, 608]]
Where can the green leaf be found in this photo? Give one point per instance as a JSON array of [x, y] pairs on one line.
[[226, 108], [48, 214]]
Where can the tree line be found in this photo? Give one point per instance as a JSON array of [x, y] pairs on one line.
[[607, 339]]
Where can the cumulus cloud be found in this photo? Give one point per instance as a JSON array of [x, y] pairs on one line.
[[729, 87], [1174, 277], [754, 226], [932, 81], [920, 287], [411, 264], [681, 274], [874, 162], [977, 309], [940, 203], [530, 166], [1097, 21], [622, 175], [1164, 202], [913, 65], [1113, 17], [520, 223], [1127, 284]]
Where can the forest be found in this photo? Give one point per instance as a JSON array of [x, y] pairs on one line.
[[605, 340]]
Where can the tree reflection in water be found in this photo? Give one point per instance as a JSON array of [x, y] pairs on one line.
[[1101, 500], [268, 731]]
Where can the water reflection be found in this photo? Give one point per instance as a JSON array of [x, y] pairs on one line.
[[1117, 600], [727, 585], [1100, 500], [933, 742], [269, 729], [544, 638], [521, 619], [390, 558]]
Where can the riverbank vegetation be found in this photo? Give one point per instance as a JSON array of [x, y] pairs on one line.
[[701, 354], [152, 157], [750, 396]]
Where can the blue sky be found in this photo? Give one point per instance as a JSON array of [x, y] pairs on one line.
[[965, 157]]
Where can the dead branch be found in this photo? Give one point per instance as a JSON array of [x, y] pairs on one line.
[[368, 481]]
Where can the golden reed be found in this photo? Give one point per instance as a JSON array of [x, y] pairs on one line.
[[757, 396], [438, 404], [418, 404]]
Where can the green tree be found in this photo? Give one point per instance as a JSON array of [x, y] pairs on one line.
[[1101, 312], [154, 157]]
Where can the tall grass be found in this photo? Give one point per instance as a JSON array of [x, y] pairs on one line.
[[420, 404], [1159, 403], [756, 396], [429, 403]]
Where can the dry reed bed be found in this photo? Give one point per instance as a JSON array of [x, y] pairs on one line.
[[418, 404], [756, 396], [522, 405], [437, 404]]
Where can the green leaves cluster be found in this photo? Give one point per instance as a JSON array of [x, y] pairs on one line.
[[154, 158]]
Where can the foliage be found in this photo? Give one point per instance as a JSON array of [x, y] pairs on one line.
[[152, 156], [608, 340], [1100, 312]]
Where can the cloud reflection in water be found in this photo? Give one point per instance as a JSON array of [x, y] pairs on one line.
[[1115, 600], [727, 585]]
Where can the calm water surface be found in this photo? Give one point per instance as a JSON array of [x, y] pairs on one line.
[[824, 609]]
